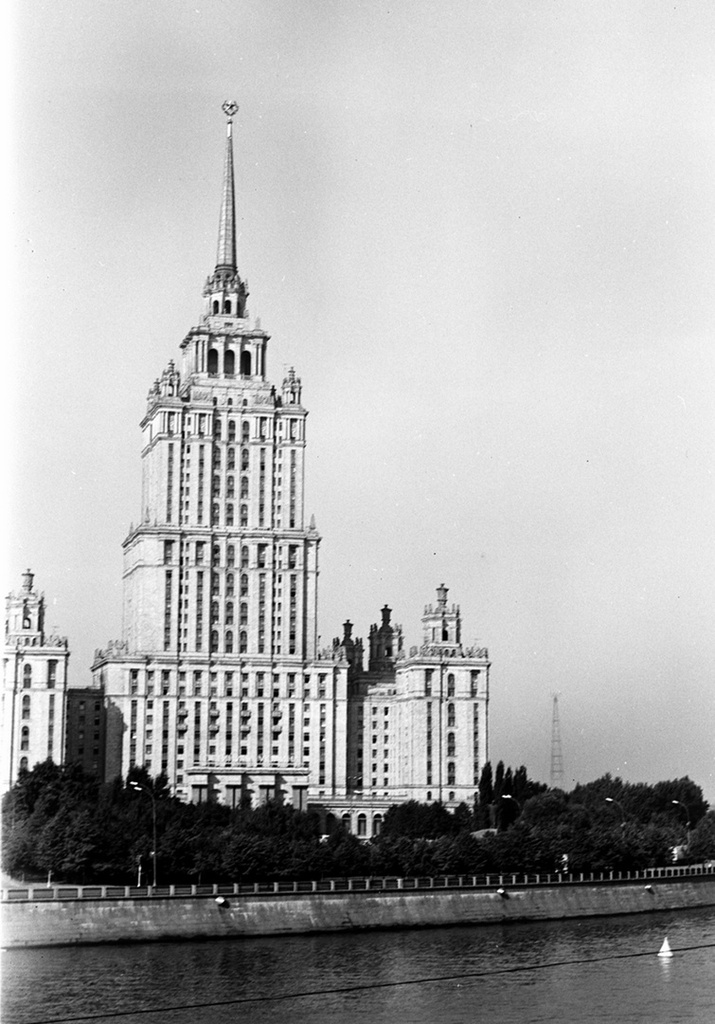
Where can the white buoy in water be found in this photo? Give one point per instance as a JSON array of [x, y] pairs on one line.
[[665, 950]]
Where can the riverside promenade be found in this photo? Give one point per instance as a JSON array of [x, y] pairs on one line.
[[77, 915]]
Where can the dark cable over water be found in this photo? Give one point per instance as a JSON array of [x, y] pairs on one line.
[[347, 989]]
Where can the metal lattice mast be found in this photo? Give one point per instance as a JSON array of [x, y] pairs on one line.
[[557, 758]]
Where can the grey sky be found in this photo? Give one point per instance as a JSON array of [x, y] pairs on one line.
[[483, 234]]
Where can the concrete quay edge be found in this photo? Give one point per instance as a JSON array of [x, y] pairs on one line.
[[153, 919]]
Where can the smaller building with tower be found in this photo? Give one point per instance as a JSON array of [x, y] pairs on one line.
[[35, 667], [417, 719]]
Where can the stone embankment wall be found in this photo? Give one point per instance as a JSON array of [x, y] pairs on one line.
[[73, 922]]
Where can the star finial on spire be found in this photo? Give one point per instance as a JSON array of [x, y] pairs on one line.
[[230, 108]]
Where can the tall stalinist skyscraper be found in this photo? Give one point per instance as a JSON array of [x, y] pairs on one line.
[[217, 680]]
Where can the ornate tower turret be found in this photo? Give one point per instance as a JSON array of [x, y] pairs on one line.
[[385, 643], [442, 625]]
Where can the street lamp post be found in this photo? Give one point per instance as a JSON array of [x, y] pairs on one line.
[[143, 789], [687, 814], [512, 799], [508, 796], [610, 800]]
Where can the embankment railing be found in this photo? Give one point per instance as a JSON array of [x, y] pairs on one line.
[[381, 885]]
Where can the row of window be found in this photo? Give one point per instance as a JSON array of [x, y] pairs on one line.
[[292, 430], [262, 557], [259, 684], [473, 683], [50, 675], [229, 357]]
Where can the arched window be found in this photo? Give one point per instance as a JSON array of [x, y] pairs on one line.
[[229, 611], [217, 435], [450, 685], [244, 585], [451, 795], [25, 738], [362, 825], [215, 306], [330, 823], [230, 484], [227, 306], [213, 361], [244, 486], [245, 364], [214, 611], [231, 458], [26, 706], [346, 822], [429, 794], [215, 514], [216, 555], [243, 641], [229, 363], [27, 676], [23, 764], [377, 825], [214, 639], [230, 555], [244, 458], [244, 556], [244, 515], [244, 614], [229, 515], [451, 774], [245, 431], [229, 642], [450, 744], [216, 485], [450, 716], [229, 584], [232, 430]]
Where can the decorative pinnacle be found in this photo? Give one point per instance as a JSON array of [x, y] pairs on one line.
[[226, 255]]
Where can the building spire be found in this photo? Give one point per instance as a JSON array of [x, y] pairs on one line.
[[226, 252], [224, 291]]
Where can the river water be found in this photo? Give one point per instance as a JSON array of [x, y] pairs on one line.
[[579, 972]]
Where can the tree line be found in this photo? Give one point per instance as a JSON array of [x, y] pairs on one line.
[[57, 819]]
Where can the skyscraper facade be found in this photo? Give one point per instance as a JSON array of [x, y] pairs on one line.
[[217, 680]]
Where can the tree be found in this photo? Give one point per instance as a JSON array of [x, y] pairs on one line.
[[486, 798], [702, 839], [418, 821]]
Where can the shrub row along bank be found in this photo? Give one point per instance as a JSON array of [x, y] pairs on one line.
[[57, 819]]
